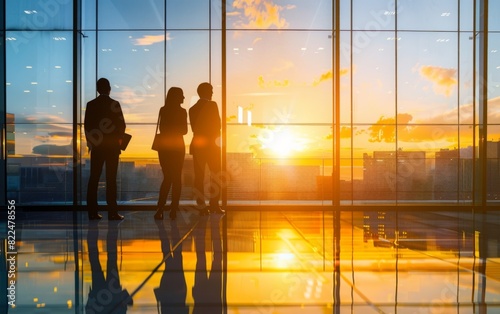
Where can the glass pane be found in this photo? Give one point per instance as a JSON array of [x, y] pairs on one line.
[[189, 14], [426, 153], [258, 154], [375, 137], [380, 179], [187, 66], [466, 138], [373, 81], [2, 20], [39, 168], [39, 15], [346, 75], [89, 15], [351, 175], [281, 77], [298, 181], [428, 138], [216, 15], [345, 14], [311, 14], [413, 180], [493, 164], [494, 78], [131, 14], [373, 15], [494, 22], [89, 70], [279, 108], [40, 77], [466, 15], [428, 77], [466, 82], [133, 61], [447, 175], [433, 15]]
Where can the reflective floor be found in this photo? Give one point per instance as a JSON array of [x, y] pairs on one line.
[[253, 262]]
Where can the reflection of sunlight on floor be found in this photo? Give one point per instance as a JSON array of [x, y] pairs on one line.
[[283, 260], [289, 269], [285, 234]]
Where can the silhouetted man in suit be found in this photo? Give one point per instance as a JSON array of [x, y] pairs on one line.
[[104, 128], [206, 125]]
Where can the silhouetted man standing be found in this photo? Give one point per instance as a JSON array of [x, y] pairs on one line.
[[206, 125], [104, 128]]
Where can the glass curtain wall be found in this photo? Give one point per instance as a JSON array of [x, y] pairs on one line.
[[403, 100], [39, 102], [410, 104], [279, 101], [145, 48], [491, 32]]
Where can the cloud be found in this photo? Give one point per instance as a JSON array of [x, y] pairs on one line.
[[323, 77], [328, 76], [345, 133], [384, 130], [148, 40], [260, 14], [42, 118], [443, 79], [53, 150], [440, 128], [61, 134], [273, 83]]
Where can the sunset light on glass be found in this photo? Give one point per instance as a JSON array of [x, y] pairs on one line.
[[279, 78]]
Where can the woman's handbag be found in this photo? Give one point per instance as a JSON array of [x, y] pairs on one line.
[[158, 138]]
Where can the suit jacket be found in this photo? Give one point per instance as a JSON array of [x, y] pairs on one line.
[[205, 124], [104, 124]]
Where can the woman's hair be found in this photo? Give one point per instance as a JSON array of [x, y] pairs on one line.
[[174, 97]]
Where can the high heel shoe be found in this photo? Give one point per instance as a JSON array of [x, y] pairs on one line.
[[159, 214]]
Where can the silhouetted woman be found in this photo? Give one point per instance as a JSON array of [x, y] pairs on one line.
[[173, 126]]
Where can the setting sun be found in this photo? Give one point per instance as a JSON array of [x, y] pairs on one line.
[[282, 142]]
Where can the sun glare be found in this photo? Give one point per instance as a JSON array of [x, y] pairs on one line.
[[283, 142]]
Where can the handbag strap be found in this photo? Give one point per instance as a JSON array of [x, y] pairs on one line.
[[158, 123]]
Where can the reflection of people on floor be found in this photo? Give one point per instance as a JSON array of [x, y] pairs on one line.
[[171, 294], [207, 289], [106, 294]]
